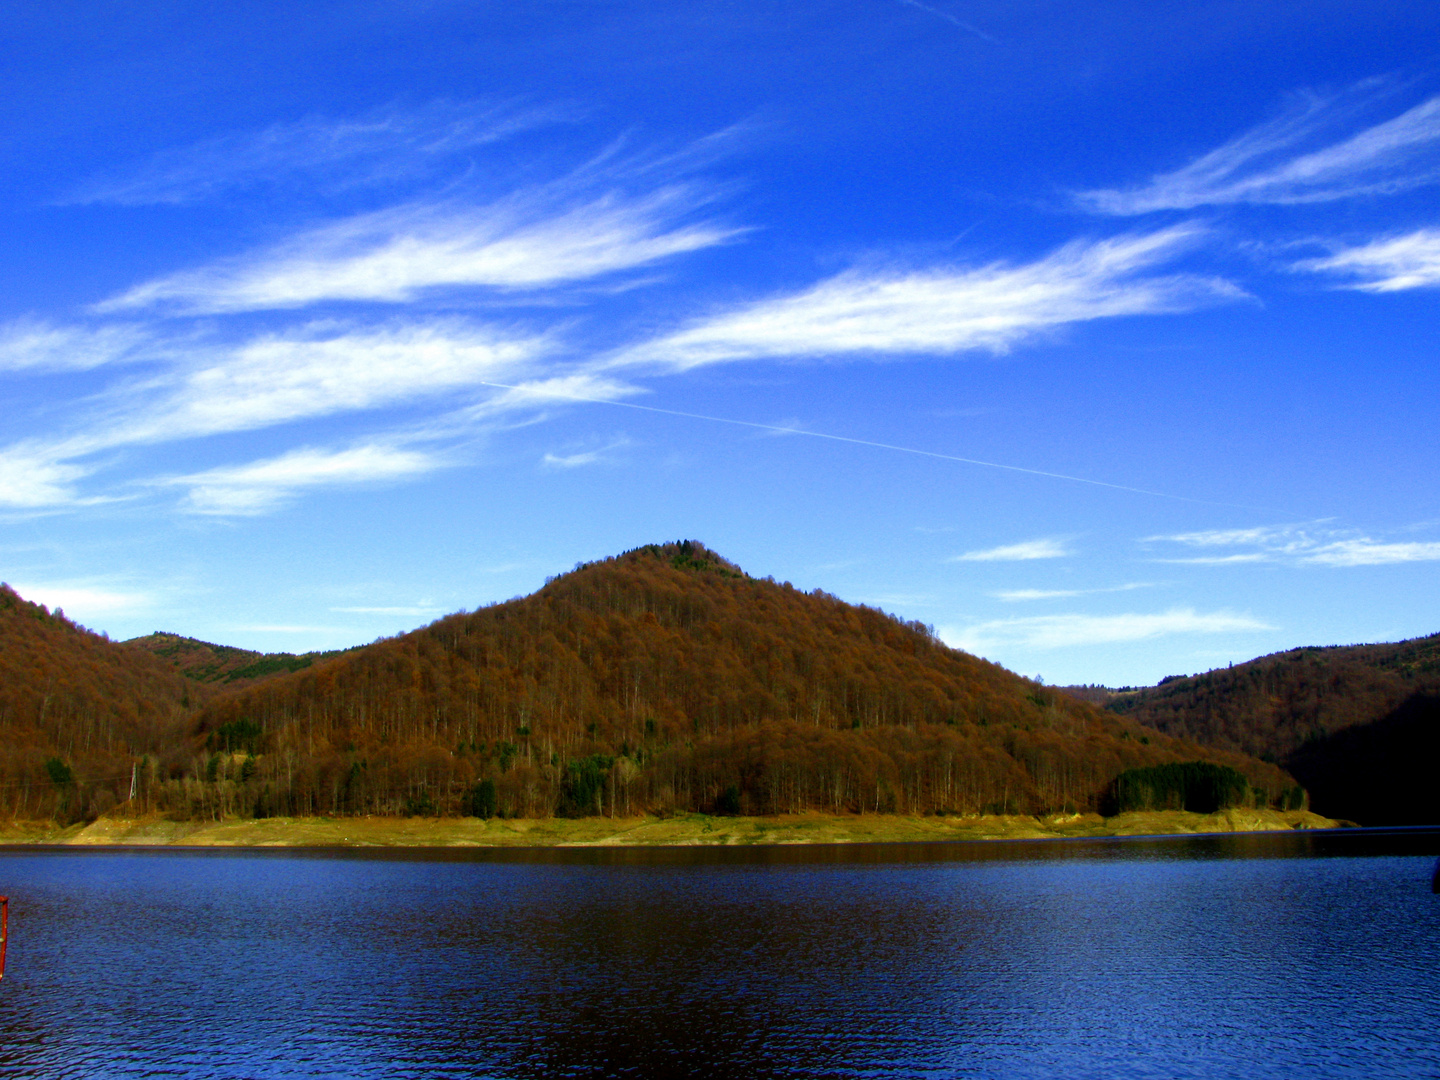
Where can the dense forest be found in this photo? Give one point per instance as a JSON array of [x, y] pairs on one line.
[[1198, 786], [1358, 725], [665, 679], [77, 711]]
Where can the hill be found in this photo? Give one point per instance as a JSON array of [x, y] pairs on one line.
[[220, 665], [661, 680], [1357, 725], [77, 711]]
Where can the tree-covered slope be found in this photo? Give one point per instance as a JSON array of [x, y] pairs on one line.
[[219, 665], [666, 678], [77, 711], [1357, 725]]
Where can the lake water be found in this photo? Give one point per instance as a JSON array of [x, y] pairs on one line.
[[1292, 955]]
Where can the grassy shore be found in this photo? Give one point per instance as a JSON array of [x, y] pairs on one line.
[[683, 829]]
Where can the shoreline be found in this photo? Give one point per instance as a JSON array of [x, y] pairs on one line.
[[681, 830]]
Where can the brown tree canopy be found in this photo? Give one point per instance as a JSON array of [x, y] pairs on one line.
[[1272, 705], [75, 696], [677, 677], [663, 679], [221, 665], [1356, 724]]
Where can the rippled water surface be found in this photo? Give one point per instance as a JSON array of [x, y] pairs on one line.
[[1271, 956]]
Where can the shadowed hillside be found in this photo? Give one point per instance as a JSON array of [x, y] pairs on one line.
[[1382, 773], [1352, 723], [663, 679]]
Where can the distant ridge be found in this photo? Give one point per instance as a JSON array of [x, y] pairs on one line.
[[222, 665], [1358, 725]]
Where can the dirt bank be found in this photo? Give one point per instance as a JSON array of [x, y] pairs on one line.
[[682, 829]]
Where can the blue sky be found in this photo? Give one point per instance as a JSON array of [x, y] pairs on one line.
[[1099, 336]]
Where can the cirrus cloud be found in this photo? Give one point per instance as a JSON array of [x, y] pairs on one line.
[[39, 345], [396, 255], [1021, 552], [1391, 264], [318, 371], [1268, 165], [1023, 595], [947, 310], [324, 369], [262, 486], [84, 601], [329, 153], [39, 476], [1298, 546], [1068, 631]]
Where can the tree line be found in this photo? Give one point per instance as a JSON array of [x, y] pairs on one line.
[[662, 680]]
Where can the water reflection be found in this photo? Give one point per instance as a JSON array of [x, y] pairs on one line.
[[1299, 955]]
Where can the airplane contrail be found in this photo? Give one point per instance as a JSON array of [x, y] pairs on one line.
[[783, 430]]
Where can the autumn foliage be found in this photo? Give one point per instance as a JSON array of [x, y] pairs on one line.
[[220, 665], [1357, 725], [90, 706], [662, 680], [667, 679]]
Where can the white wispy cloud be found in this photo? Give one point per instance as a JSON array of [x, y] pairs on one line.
[[289, 628], [1021, 595], [1278, 162], [303, 373], [395, 255], [418, 611], [946, 310], [1224, 560], [1391, 264], [1224, 537], [1036, 594], [261, 486], [311, 371], [570, 461], [1366, 552], [535, 395], [36, 476], [1297, 545], [457, 379], [322, 370], [189, 381], [314, 372], [322, 153], [31, 344], [1067, 631], [82, 601], [581, 458], [1021, 552]]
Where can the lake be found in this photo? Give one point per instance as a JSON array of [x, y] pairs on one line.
[[1269, 955]]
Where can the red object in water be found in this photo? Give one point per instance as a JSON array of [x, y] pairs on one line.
[[4, 930]]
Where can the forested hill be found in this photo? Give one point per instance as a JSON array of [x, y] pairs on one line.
[[1274, 704], [220, 665], [666, 678], [82, 702], [1358, 725]]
